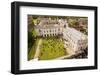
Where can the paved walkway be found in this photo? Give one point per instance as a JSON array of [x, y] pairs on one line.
[[38, 49], [69, 51]]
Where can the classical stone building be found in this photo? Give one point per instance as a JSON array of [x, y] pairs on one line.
[[73, 39], [48, 27]]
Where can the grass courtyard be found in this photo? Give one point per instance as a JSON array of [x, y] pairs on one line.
[[51, 48]]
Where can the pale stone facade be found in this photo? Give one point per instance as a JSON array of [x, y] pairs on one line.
[[73, 39], [50, 27]]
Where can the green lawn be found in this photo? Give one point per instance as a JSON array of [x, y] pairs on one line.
[[33, 50], [51, 48]]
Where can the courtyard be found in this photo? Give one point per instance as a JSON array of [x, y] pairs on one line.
[[51, 48], [48, 48]]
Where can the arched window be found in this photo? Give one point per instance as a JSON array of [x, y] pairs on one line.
[[50, 30], [55, 30], [64, 26]]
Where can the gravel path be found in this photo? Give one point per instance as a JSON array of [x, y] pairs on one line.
[[38, 49]]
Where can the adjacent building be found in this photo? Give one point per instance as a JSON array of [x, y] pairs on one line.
[[74, 39]]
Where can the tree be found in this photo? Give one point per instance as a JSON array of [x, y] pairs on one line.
[[34, 33], [30, 40]]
